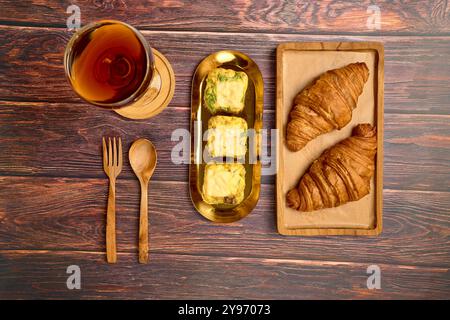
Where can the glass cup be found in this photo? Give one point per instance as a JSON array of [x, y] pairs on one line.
[[110, 64]]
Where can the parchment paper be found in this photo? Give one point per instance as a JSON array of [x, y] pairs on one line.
[[299, 69]]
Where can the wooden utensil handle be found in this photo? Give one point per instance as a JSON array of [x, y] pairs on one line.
[[143, 225], [111, 254]]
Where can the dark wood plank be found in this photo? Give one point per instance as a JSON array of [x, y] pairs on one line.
[[191, 257], [42, 274], [412, 144], [417, 79], [242, 16], [69, 214], [64, 140]]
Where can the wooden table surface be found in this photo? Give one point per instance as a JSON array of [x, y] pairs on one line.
[[53, 190]]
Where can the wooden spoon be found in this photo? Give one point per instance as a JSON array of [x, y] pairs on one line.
[[143, 161]]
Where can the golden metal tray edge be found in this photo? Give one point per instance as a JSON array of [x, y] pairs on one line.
[[238, 61]]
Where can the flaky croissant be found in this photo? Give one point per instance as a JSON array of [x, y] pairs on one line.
[[341, 174], [325, 105]]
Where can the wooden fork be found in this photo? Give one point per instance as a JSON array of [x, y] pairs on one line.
[[112, 165]]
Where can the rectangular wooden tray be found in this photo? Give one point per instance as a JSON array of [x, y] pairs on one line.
[[298, 64]]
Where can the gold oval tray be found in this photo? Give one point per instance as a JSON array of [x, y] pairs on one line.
[[253, 113]]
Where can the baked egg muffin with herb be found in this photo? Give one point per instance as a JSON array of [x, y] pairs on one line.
[[224, 183], [227, 136], [225, 91]]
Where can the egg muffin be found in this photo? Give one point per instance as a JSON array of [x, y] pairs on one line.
[[224, 183], [227, 136], [225, 91]]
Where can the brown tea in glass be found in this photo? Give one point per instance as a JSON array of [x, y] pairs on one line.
[[109, 64]]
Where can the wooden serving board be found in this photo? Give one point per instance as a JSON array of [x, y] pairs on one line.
[[298, 64]]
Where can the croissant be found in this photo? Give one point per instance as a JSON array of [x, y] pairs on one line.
[[341, 174], [325, 105]]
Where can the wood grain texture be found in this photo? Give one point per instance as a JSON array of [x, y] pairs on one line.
[[429, 17], [417, 79], [56, 139], [53, 193], [69, 214], [42, 274]]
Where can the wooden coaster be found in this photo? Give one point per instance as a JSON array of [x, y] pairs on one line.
[[157, 96]]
